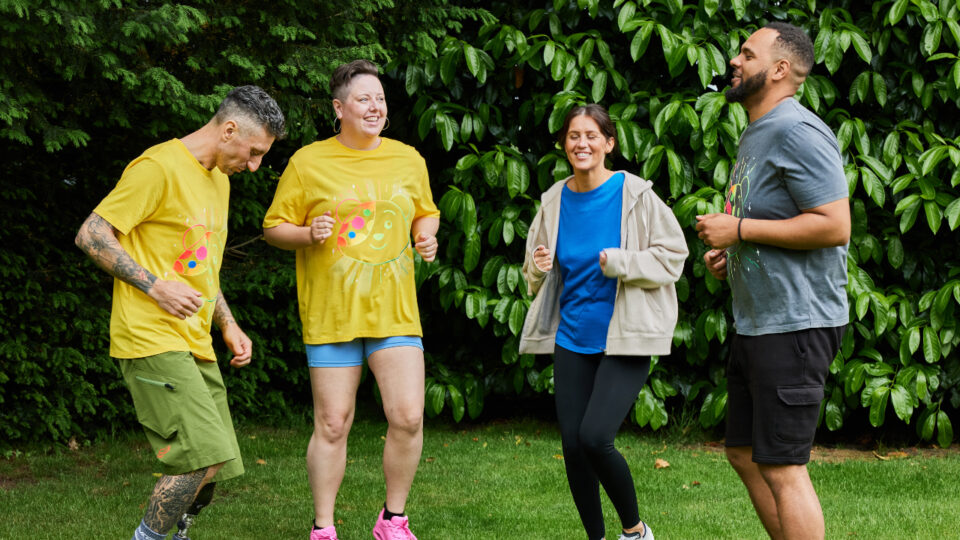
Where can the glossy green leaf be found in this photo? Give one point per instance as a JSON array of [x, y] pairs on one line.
[[944, 430], [902, 402], [931, 345]]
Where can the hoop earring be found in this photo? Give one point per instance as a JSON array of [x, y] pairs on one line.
[[386, 126], [336, 125]]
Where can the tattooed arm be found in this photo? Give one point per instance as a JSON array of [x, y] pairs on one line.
[[98, 239], [236, 340]]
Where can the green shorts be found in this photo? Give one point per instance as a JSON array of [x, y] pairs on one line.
[[182, 404]]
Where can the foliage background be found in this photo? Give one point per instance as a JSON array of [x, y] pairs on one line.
[[479, 88]]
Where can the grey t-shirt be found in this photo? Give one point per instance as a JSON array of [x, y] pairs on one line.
[[788, 161]]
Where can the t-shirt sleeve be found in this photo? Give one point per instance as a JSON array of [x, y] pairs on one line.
[[423, 202], [812, 169], [287, 205], [136, 196]]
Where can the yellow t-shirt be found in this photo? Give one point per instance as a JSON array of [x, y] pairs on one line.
[[359, 282], [172, 216]]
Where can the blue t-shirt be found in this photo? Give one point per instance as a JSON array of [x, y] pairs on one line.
[[788, 161], [589, 223]]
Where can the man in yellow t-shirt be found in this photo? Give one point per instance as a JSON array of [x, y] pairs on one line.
[[161, 233]]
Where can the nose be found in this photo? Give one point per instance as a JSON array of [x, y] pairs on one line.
[[254, 163], [735, 61]]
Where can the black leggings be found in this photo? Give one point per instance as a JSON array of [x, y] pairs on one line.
[[594, 393]]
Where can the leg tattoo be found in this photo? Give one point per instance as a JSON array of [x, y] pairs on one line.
[[171, 498]]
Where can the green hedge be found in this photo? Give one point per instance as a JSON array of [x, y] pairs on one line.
[[480, 90]]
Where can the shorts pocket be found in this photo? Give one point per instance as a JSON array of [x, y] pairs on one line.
[[156, 403], [797, 412]]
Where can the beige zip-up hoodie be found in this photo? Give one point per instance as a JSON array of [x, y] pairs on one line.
[[647, 264]]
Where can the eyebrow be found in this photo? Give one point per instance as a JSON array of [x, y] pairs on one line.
[[744, 49]]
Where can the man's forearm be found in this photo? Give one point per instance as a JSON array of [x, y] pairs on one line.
[[98, 239], [222, 316]]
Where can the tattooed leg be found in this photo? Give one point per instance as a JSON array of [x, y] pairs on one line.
[[171, 498]]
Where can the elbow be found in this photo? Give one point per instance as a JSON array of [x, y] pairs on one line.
[[841, 236], [81, 239], [268, 237]]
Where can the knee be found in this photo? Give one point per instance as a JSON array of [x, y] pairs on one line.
[[783, 477], [593, 443], [212, 471], [740, 457], [408, 420], [332, 426]]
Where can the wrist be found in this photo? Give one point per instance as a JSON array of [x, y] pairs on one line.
[[740, 230]]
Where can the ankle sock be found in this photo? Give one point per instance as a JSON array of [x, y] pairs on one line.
[[146, 533], [388, 515]]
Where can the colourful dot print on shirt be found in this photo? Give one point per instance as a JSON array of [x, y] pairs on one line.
[[195, 251], [357, 225]]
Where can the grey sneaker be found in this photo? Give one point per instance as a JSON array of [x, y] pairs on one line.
[[647, 534]]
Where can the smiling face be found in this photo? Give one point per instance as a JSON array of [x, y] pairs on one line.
[[242, 149], [363, 111], [586, 146], [751, 66]]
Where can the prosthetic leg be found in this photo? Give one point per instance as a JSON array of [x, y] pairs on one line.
[[203, 499]]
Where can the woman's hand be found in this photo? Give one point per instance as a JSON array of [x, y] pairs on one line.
[[321, 228], [543, 258], [426, 246]]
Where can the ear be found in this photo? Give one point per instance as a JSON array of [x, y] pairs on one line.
[[229, 130], [608, 147], [338, 107], [781, 69]]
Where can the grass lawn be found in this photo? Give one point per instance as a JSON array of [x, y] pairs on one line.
[[501, 480]]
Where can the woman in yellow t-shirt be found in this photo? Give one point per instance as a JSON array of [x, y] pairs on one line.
[[355, 207]]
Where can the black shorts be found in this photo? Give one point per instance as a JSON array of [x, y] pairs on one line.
[[774, 390]]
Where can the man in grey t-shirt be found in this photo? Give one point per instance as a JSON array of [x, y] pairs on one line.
[[781, 243]]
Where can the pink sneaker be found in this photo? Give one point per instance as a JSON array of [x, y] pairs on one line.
[[326, 533], [398, 528]]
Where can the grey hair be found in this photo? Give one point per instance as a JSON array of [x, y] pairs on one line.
[[254, 104]]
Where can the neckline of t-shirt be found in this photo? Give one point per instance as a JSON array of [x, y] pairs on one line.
[[383, 141], [566, 187], [770, 113], [194, 160]]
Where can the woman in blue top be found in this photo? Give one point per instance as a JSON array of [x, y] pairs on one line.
[[618, 250]]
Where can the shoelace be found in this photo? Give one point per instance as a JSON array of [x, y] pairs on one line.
[[399, 529]]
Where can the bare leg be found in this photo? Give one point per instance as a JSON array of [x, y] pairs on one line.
[[797, 504], [741, 457], [334, 402], [173, 495], [400, 376]]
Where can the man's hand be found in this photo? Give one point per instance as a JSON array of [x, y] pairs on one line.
[[603, 261], [238, 343], [426, 246], [321, 228], [718, 231], [716, 260], [543, 258], [176, 298]]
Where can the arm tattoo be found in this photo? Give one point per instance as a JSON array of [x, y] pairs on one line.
[[98, 239], [171, 497], [222, 316]]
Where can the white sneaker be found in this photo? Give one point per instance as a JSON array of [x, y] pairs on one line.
[[647, 534]]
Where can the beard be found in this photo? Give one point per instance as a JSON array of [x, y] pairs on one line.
[[747, 87]]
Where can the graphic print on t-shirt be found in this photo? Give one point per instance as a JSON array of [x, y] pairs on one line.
[[199, 245], [742, 254], [373, 235]]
